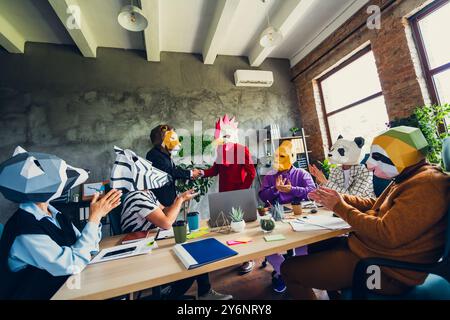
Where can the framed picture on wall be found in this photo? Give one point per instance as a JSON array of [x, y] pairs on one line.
[[88, 190]]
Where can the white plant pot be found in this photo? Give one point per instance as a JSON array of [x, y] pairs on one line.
[[238, 226]]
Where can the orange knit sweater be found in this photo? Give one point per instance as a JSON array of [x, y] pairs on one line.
[[407, 223]]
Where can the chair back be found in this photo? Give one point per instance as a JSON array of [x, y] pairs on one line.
[[114, 219], [446, 154], [446, 160], [1, 230]]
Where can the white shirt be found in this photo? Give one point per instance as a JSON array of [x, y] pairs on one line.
[[346, 178]]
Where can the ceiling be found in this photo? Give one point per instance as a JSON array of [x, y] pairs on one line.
[[208, 27]]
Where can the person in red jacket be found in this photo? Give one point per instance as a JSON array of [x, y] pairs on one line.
[[233, 165]]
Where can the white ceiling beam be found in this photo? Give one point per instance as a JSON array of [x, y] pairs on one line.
[[323, 34], [10, 38], [152, 34], [218, 30], [81, 35], [289, 13]]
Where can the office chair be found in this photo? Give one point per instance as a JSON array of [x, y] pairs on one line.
[[1, 230], [435, 287]]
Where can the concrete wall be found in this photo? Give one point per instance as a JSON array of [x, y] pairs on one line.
[[54, 100]]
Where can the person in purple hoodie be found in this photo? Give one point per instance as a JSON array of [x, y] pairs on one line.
[[285, 185]]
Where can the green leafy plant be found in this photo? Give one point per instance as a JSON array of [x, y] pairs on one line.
[[278, 212], [294, 130], [267, 224], [236, 215], [201, 185], [326, 167], [204, 140], [430, 120]]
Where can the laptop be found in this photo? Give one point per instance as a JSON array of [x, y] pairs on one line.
[[225, 201]]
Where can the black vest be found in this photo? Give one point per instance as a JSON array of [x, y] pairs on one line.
[[31, 283]]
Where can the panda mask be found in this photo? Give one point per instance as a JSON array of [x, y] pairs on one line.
[[37, 177], [395, 150], [346, 152]]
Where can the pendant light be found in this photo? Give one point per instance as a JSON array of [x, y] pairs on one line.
[[132, 18], [270, 37]]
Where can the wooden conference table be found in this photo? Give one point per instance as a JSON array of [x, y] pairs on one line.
[[126, 276]]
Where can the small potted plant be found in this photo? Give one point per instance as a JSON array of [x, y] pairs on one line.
[[237, 220], [294, 131], [297, 207], [267, 223], [262, 210]]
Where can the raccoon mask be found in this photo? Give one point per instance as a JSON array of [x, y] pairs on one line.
[[395, 150], [37, 177], [346, 152], [133, 173]]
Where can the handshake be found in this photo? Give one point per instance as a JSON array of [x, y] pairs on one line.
[[197, 174]]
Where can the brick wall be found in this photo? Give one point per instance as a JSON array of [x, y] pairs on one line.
[[396, 58]]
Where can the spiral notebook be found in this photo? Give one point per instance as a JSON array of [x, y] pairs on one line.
[[199, 253]]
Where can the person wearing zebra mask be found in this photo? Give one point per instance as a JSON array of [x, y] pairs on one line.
[[141, 211]]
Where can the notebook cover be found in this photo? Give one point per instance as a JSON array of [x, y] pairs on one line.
[[207, 251], [134, 237]]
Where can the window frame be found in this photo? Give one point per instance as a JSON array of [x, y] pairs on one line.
[[333, 71], [422, 51]]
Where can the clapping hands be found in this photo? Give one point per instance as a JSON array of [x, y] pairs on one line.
[[327, 197], [318, 174], [283, 185]]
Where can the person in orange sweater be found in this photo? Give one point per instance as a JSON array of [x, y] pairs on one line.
[[406, 223]]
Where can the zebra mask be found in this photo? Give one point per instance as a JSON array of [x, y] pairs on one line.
[[133, 173]]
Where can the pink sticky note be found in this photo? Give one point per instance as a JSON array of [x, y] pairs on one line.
[[235, 243]]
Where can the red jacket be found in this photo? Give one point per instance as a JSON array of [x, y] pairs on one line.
[[236, 170]]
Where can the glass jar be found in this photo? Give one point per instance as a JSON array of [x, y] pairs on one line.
[[267, 223]]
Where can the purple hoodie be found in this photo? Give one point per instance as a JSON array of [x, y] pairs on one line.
[[301, 181]]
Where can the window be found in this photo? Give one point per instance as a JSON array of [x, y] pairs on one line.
[[430, 29], [352, 99]]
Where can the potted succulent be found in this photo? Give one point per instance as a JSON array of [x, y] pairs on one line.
[[294, 131], [297, 207], [267, 223], [237, 220], [262, 210]]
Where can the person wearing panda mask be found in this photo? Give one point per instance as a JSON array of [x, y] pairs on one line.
[[349, 176], [406, 223]]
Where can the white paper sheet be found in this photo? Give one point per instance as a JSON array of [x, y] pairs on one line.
[[319, 222]]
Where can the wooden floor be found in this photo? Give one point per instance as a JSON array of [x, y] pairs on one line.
[[256, 285]]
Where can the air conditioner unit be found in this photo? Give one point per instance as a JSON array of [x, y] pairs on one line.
[[253, 78]]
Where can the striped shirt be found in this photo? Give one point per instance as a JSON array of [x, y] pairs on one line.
[[137, 205]]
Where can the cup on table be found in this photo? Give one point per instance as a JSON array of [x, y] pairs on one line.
[[180, 231], [297, 208], [193, 220]]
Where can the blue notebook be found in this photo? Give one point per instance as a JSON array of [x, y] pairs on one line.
[[199, 253]]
